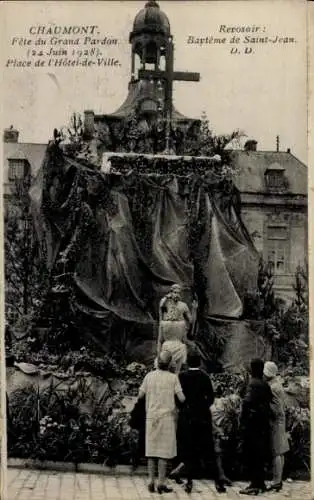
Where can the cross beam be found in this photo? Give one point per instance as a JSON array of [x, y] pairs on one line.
[[183, 76], [169, 76]]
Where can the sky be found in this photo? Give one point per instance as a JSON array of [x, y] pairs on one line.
[[263, 93]]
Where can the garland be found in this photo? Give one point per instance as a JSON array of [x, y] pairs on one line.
[[169, 165]]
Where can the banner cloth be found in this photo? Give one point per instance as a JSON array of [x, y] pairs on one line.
[[127, 238]]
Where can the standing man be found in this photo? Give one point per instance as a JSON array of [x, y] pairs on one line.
[[255, 427], [279, 439], [195, 430]]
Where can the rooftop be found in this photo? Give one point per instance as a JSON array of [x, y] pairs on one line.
[[252, 166], [33, 152]]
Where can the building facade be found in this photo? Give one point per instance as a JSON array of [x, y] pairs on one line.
[[21, 162], [273, 186]]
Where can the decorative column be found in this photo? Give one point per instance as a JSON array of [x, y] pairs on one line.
[[133, 66], [144, 57], [157, 58]]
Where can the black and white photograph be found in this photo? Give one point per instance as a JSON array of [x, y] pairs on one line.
[[155, 246]]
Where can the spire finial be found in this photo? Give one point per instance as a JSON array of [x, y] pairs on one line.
[[151, 3]]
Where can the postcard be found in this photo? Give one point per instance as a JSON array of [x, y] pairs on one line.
[[155, 247]]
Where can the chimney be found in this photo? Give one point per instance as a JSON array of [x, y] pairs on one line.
[[277, 143], [89, 129], [250, 145], [10, 135]]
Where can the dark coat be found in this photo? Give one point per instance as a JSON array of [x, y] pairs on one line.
[[138, 415], [256, 419], [195, 434]]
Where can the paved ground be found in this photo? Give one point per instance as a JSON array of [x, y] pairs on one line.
[[45, 485]]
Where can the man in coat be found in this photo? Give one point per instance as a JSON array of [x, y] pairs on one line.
[[255, 428], [195, 430]]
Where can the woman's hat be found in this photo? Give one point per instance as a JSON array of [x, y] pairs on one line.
[[270, 369], [164, 359]]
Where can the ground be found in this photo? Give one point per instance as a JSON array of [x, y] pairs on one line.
[[46, 485]]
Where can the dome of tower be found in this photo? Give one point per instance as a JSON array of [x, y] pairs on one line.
[[151, 20]]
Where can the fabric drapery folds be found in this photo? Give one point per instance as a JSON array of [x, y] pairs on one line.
[[127, 237]]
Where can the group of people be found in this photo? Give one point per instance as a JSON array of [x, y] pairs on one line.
[[263, 427], [178, 395]]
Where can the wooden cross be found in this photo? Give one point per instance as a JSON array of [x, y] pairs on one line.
[[169, 76]]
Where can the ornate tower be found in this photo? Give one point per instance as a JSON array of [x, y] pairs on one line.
[[148, 107], [149, 38]]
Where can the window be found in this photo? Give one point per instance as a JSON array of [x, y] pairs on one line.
[[16, 169], [277, 251], [277, 232], [275, 177], [277, 255], [13, 211]]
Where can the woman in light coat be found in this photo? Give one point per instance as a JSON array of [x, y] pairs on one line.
[[160, 388], [279, 439]]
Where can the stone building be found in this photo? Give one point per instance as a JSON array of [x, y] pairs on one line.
[[21, 162], [273, 186]]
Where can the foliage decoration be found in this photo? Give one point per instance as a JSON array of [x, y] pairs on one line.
[[25, 274], [53, 424]]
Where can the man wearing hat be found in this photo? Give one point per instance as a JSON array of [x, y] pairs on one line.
[[279, 439], [255, 428]]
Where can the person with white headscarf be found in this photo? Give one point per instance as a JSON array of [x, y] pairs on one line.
[[279, 439]]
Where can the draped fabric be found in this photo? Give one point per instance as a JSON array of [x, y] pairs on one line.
[[127, 238], [170, 237]]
